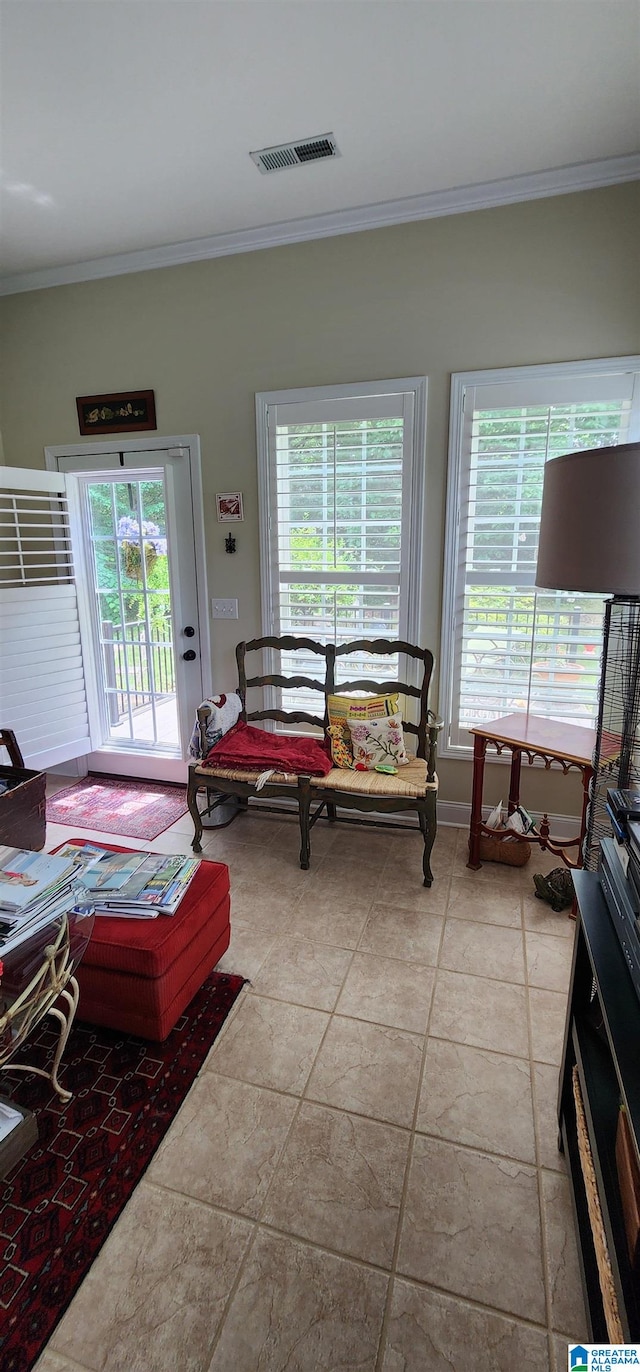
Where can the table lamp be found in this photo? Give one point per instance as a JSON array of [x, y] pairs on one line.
[[590, 541]]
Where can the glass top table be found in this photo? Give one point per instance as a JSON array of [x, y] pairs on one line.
[[38, 979]]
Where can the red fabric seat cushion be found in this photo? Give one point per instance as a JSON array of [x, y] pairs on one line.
[[253, 749]]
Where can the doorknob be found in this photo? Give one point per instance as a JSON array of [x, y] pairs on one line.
[[189, 631], [189, 656]]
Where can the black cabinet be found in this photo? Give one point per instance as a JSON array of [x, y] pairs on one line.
[[602, 1041]]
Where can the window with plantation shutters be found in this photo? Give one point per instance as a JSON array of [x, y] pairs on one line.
[[508, 647], [341, 515]]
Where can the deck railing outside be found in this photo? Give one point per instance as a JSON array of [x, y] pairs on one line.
[[138, 665]]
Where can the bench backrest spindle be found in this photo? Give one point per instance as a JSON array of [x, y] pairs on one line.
[[330, 655], [203, 713]]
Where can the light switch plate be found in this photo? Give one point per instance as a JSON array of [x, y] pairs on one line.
[[224, 609]]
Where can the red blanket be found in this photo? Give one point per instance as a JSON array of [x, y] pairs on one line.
[[256, 750]]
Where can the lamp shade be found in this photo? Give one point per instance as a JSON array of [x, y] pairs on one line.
[[590, 522]]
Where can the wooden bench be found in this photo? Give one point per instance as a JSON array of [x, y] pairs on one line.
[[414, 788]]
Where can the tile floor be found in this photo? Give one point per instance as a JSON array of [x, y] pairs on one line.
[[364, 1176]]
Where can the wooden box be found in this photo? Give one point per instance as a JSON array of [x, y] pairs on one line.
[[19, 1141], [22, 808]]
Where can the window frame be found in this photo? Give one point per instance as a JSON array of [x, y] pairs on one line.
[[413, 499], [461, 382]]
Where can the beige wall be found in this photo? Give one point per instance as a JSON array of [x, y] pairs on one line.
[[551, 280]]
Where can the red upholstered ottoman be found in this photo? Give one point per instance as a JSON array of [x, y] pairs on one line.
[[138, 975]]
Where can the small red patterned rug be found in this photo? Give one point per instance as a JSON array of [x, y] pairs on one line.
[[135, 809], [59, 1203]]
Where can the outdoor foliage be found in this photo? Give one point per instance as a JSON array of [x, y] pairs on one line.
[[119, 511], [523, 646], [116, 524], [340, 507]]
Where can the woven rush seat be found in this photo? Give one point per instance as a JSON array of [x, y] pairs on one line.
[[411, 780], [242, 774]]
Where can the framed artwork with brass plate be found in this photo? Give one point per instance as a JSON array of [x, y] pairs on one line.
[[126, 412]]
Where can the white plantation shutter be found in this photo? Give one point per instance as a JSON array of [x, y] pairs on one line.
[[341, 497], [44, 694], [506, 646]]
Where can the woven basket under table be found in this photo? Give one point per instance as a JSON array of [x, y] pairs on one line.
[[509, 850]]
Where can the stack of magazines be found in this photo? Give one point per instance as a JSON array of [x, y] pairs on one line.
[[35, 888], [140, 885]]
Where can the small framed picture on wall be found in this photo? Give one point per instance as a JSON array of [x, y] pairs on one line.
[[124, 412], [229, 507]]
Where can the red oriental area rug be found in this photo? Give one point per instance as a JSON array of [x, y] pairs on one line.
[[135, 809], [59, 1203]]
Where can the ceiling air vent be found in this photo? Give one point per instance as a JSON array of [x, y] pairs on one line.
[[295, 154]]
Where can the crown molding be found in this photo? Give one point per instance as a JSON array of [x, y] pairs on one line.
[[579, 176]]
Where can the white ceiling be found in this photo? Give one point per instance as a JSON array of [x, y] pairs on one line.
[[127, 124]]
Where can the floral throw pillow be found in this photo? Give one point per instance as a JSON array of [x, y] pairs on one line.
[[378, 742], [341, 751]]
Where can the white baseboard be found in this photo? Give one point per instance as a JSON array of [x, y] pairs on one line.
[[76, 767], [454, 813], [258, 802], [122, 763], [451, 814], [458, 813]]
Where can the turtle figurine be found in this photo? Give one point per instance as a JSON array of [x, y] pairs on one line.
[[556, 888]]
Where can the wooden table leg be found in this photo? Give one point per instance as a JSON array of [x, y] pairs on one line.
[[479, 753], [514, 781]]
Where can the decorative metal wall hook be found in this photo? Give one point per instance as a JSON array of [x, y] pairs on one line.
[[229, 544]]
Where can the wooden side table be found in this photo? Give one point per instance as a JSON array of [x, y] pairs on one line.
[[568, 745]]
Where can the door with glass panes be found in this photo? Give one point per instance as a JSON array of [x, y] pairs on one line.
[[141, 575]]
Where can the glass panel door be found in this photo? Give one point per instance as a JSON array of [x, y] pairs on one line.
[[139, 561], [133, 611]]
